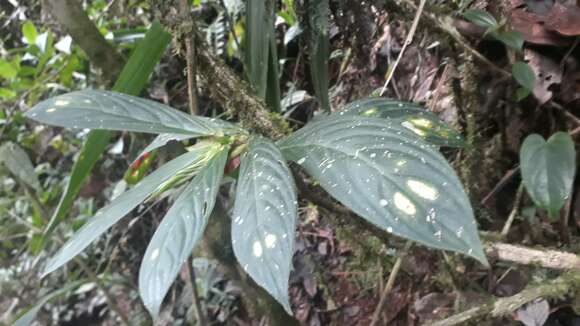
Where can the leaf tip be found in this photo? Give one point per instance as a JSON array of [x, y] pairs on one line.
[[479, 255]]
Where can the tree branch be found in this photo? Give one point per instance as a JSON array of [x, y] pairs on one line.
[[568, 283], [73, 19]]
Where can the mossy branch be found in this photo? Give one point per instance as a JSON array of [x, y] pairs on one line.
[[567, 284]]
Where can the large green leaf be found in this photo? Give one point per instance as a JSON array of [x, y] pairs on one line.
[[319, 13], [26, 318], [96, 109], [389, 176], [18, 163], [259, 29], [411, 116], [123, 204], [133, 78], [264, 218], [548, 170], [179, 231]]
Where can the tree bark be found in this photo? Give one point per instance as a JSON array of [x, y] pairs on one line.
[[73, 19]]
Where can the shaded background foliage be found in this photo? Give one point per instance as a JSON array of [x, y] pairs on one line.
[[336, 271]]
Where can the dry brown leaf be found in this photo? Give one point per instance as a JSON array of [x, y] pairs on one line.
[[547, 73], [564, 19]]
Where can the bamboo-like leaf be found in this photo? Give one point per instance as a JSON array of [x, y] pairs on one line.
[[319, 13], [389, 176], [259, 29], [133, 78], [178, 233], [264, 218], [273, 86], [120, 206]]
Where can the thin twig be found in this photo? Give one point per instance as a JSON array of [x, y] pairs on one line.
[[231, 25], [514, 212], [452, 31], [408, 41], [191, 59], [200, 312], [113, 304], [500, 185], [389, 285]]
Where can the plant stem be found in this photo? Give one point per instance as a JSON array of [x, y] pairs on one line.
[[190, 58], [514, 212], [446, 26], [231, 25], [200, 312], [389, 285], [110, 299], [408, 41]]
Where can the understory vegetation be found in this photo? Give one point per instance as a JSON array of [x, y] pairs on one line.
[[289, 162]]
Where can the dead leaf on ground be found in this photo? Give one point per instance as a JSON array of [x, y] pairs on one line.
[[564, 19], [434, 306], [547, 72], [534, 313], [533, 28]]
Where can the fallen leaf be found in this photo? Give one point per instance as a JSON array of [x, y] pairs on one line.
[[564, 19], [547, 73], [533, 30], [534, 313]]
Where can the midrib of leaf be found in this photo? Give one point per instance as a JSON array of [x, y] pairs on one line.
[[137, 103], [258, 227]]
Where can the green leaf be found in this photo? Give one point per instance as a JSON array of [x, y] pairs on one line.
[[522, 93], [390, 177], [480, 18], [264, 218], [122, 205], [105, 110], [513, 39], [143, 60], [259, 29], [7, 69], [320, 50], [29, 32], [27, 317], [162, 140], [423, 123], [273, 86], [18, 163], [524, 75], [548, 170], [7, 94], [133, 78], [178, 233]]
